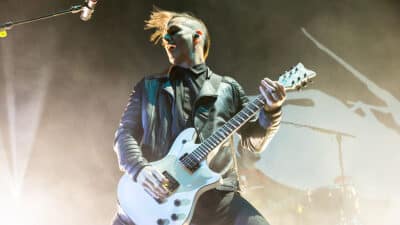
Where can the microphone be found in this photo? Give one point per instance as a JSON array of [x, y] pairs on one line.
[[88, 9]]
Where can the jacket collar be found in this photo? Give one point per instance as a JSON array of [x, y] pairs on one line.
[[209, 88]]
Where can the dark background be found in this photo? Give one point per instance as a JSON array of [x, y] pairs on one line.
[[71, 170]]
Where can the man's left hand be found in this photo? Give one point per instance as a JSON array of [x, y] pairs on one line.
[[274, 94]]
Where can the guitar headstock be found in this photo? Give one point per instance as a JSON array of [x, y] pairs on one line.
[[297, 77]]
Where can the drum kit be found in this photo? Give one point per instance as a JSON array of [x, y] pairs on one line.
[[336, 204]]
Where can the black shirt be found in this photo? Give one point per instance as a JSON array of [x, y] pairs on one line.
[[186, 83]]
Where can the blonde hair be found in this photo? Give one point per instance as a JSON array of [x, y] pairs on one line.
[[159, 21]]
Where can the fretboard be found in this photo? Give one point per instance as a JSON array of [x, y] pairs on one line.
[[224, 132]]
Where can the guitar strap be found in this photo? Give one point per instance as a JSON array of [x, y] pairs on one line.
[[235, 163], [215, 80]]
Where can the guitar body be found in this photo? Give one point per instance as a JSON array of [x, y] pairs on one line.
[[178, 208]]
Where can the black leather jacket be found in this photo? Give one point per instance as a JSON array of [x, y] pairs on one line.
[[142, 134]]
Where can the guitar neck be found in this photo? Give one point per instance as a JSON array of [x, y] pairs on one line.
[[230, 127], [293, 79]]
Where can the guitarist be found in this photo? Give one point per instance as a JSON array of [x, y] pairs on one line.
[[160, 107]]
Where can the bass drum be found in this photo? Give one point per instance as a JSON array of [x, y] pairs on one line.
[[336, 205]]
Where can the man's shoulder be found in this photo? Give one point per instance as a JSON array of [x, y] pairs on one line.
[[230, 81], [224, 78], [151, 82], [156, 77]]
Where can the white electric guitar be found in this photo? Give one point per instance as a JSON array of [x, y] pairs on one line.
[[186, 169]]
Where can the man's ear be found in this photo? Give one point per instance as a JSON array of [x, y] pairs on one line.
[[197, 36]]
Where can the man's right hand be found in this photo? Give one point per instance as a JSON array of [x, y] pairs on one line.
[[152, 181]]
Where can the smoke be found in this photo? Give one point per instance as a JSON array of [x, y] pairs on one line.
[[71, 81]]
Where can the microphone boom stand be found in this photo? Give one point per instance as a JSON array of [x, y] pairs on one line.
[[72, 10]]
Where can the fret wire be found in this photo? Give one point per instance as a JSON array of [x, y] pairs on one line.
[[252, 110], [216, 141], [260, 100], [199, 157], [207, 145], [219, 134], [224, 132], [228, 128], [242, 115], [253, 104], [234, 120], [239, 120], [195, 159], [203, 153], [231, 125], [238, 115], [248, 109], [244, 112], [202, 150], [212, 143], [251, 114], [216, 137], [196, 155]]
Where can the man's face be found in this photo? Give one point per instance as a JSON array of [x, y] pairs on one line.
[[178, 40]]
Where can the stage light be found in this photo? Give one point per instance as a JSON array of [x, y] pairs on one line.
[[3, 33]]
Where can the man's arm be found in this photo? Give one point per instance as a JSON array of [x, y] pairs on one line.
[[259, 131], [129, 152], [129, 134]]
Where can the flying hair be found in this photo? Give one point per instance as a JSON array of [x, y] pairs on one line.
[[159, 21]]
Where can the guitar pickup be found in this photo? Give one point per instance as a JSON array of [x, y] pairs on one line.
[[189, 162], [171, 186], [172, 183]]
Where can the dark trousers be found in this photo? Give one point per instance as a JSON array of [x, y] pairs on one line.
[[216, 208]]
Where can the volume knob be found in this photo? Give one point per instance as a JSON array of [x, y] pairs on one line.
[[174, 217], [177, 202]]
